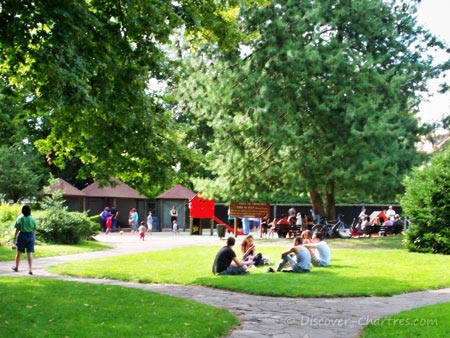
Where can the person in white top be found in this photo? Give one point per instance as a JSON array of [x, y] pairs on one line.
[[390, 213]]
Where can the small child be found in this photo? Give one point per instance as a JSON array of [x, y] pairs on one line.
[[108, 224], [272, 228], [142, 230], [175, 227]]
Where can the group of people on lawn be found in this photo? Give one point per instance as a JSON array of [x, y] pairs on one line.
[[307, 249]]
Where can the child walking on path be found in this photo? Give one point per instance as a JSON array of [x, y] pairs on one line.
[[142, 230], [108, 224], [175, 227]]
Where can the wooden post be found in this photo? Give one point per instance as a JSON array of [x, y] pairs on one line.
[[260, 228]]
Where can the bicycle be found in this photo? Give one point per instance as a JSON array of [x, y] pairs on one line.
[[333, 230]]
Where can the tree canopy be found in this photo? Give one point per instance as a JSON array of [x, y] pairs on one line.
[[324, 102], [313, 97], [21, 173], [78, 74]]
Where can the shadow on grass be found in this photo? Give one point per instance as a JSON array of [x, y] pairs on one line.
[[320, 282]]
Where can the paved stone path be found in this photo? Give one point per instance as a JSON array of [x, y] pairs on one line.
[[261, 316]]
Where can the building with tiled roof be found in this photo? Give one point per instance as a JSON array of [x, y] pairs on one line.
[[73, 197], [178, 196], [176, 193], [117, 194]]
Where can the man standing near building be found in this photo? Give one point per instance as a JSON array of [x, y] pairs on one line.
[[114, 214], [103, 217]]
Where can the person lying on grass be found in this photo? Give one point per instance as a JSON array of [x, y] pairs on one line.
[[320, 251], [226, 262], [302, 261]]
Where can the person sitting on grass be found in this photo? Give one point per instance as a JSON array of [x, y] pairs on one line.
[[306, 236], [226, 262], [320, 251], [302, 263], [248, 251]]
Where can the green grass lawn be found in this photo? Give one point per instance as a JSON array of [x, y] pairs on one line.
[[427, 321], [47, 250], [364, 267], [354, 272], [388, 242], [39, 307]]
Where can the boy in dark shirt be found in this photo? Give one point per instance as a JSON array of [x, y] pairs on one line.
[[226, 262]]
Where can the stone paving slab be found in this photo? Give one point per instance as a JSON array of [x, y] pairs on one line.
[[261, 316]]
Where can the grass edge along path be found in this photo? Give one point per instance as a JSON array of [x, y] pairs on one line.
[[354, 272], [426, 321], [38, 307], [49, 250]]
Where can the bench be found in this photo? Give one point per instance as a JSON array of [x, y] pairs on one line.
[[389, 230], [284, 230]]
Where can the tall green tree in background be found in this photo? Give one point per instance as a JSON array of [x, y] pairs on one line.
[[324, 102], [78, 73], [21, 173]]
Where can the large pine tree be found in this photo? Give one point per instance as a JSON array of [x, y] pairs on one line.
[[324, 102]]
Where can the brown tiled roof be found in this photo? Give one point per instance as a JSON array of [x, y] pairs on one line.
[[120, 190], [69, 189], [178, 192]]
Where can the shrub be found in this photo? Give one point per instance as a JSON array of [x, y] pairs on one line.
[[427, 204], [57, 225], [8, 216], [62, 226]]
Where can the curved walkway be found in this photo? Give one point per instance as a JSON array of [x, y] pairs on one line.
[[261, 316]]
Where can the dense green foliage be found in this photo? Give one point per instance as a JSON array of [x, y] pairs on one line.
[[57, 225], [61, 226], [427, 204], [75, 75], [321, 101], [54, 224], [284, 100], [8, 216], [21, 173]]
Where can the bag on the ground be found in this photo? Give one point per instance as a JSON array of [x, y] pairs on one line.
[[257, 259]]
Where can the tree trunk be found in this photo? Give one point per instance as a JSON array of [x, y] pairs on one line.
[[330, 203], [316, 201]]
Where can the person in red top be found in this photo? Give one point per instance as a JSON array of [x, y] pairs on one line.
[[109, 223], [283, 226]]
